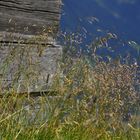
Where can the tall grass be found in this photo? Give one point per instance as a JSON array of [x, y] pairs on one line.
[[92, 102]]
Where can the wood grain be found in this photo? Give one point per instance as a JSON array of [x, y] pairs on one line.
[[28, 67], [29, 16], [28, 50]]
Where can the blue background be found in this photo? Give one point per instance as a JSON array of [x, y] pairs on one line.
[[98, 17]]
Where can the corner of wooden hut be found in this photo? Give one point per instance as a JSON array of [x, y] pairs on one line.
[[28, 50]]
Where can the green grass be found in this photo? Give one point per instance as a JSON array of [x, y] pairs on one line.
[[92, 103]]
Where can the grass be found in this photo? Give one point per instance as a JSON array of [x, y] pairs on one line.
[[98, 102]]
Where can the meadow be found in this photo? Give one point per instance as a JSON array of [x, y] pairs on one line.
[[98, 101]]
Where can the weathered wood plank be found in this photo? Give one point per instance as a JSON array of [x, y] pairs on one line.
[[29, 16], [33, 5], [11, 37], [28, 67], [28, 50]]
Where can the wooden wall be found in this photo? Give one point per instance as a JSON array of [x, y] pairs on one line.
[[28, 50]]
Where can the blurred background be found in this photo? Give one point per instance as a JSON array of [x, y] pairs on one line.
[[95, 18]]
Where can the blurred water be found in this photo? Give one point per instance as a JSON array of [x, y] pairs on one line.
[[95, 18]]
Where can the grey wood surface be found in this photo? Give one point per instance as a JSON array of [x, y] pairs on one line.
[[29, 16], [28, 50], [28, 67]]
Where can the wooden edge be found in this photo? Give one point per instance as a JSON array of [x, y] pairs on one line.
[[17, 38]]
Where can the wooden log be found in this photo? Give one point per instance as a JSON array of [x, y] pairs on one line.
[[17, 38], [27, 69], [29, 16], [28, 66]]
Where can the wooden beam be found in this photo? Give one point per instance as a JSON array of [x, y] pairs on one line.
[[17, 38], [29, 16]]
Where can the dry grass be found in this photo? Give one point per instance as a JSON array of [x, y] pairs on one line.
[[99, 102]]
